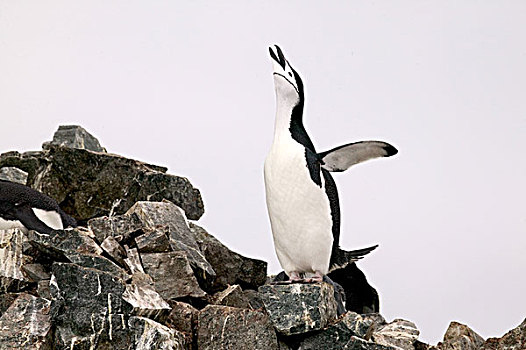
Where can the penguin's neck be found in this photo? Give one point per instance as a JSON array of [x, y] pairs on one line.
[[284, 117]]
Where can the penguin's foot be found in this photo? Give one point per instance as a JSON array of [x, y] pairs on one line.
[[317, 278], [282, 278], [295, 277]]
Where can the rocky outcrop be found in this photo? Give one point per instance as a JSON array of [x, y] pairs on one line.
[[135, 301], [513, 340], [90, 184], [137, 275]]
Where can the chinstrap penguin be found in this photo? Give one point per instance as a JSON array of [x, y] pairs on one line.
[[301, 195], [27, 209]]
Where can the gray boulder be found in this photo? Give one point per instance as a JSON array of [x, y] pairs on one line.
[[98, 262], [299, 308], [122, 228], [6, 299], [362, 326], [13, 174], [183, 317], [75, 136], [26, 324], [339, 338], [154, 240], [460, 337], [152, 215], [401, 334], [144, 299], [12, 258], [350, 331], [114, 250], [224, 327], [230, 267], [36, 272], [232, 296], [148, 335], [172, 275], [87, 307], [60, 243]]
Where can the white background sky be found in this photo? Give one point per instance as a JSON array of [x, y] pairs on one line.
[[188, 85]]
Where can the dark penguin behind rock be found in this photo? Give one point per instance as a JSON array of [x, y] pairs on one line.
[[360, 296], [27, 209]]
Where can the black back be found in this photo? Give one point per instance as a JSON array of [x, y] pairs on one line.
[[299, 134], [16, 201], [360, 296]]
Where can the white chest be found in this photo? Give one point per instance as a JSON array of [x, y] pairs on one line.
[[299, 210]]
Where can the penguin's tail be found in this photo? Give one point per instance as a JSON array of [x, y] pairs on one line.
[[341, 258]]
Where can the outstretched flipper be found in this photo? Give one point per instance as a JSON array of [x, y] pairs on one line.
[[343, 157]]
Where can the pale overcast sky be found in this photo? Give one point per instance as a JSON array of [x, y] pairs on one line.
[[188, 85]]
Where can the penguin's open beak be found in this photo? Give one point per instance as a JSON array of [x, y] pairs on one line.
[[278, 56]]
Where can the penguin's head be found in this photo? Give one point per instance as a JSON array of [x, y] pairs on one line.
[[286, 80]]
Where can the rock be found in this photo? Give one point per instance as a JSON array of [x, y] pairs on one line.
[[6, 299], [423, 346], [360, 296], [513, 340], [152, 215], [362, 326], [299, 308], [43, 289], [26, 324], [89, 184], [154, 240], [253, 298], [183, 317], [231, 268], [338, 337], [98, 262], [460, 337], [361, 344], [172, 275], [335, 337], [133, 261], [12, 259], [155, 214], [148, 334], [36, 272], [114, 250], [75, 136], [401, 334], [122, 228], [232, 296], [223, 327], [30, 162], [114, 335], [141, 295], [13, 174], [87, 307], [351, 331], [61, 242]]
